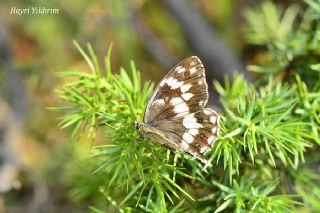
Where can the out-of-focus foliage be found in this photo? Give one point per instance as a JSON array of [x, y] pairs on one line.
[[292, 40]]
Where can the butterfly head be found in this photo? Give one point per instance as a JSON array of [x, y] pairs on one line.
[[137, 125]]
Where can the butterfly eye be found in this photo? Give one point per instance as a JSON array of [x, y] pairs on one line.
[[137, 125]]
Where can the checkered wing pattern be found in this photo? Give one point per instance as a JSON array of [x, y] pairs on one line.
[[175, 115]]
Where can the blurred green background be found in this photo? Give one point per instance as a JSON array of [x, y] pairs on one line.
[[37, 158]]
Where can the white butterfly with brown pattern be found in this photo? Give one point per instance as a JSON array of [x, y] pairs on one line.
[[175, 115]]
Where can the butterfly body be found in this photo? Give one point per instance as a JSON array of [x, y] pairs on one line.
[[175, 116], [158, 136]]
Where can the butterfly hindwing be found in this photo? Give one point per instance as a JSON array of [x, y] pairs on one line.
[[195, 132]]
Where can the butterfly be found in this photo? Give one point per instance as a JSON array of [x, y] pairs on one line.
[[175, 115]]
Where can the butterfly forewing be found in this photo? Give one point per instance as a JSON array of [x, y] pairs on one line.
[[175, 115], [184, 85]]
